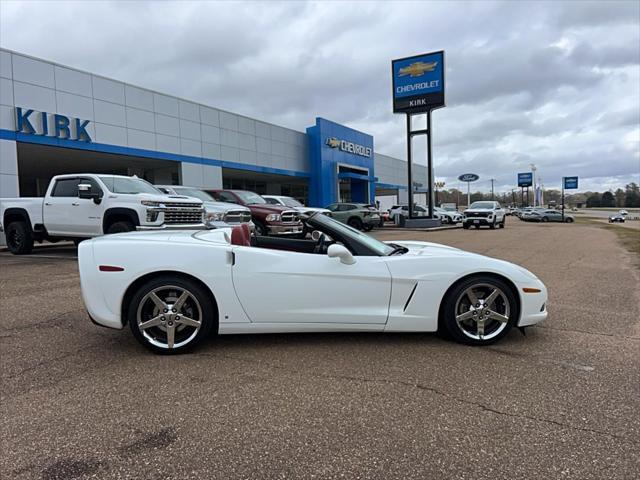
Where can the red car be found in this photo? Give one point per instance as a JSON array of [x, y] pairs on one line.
[[269, 219]]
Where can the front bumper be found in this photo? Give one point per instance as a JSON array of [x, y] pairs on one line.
[[371, 220], [479, 220], [278, 228], [533, 306]]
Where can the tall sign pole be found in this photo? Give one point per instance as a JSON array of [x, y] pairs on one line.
[[468, 177], [568, 183], [418, 88], [525, 180]]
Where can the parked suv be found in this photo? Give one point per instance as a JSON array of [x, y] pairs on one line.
[[291, 202], [268, 219], [490, 214], [79, 206], [216, 214], [360, 216]]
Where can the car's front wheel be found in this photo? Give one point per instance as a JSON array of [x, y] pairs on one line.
[[355, 222], [171, 314], [479, 311]]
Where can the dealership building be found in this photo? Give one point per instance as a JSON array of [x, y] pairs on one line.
[[55, 119]]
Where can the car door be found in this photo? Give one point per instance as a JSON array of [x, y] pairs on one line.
[[60, 207], [276, 286], [554, 215]]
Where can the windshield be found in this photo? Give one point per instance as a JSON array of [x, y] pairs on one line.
[[482, 205], [194, 192], [291, 202], [249, 198], [130, 185], [350, 234]]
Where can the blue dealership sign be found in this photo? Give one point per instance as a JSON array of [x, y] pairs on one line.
[[570, 183], [418, 83], [525, 179]]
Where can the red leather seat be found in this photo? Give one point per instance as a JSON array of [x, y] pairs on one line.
[[239, 237], [247, 231]]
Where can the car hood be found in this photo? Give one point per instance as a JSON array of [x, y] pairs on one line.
[[479, 210], [222, 207], [311, 209], [149, 197], [268, 208]]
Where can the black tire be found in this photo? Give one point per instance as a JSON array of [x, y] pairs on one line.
[[544, 219], [502, 223], [367, 228], [465, 226], [355, 222], [493, 225], [121, 226], [261, 230], [207, 314], [495, 330], [477, 227], [568, 220], [19, 238]]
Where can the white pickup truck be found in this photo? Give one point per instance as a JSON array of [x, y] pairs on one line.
[[79, 206]]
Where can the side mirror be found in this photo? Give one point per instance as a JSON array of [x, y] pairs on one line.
[[341, 252], [84, 191]]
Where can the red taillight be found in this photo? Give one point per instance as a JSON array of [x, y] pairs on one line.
[[110, 268]]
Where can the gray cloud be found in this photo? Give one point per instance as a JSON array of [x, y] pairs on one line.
[[554, 83]]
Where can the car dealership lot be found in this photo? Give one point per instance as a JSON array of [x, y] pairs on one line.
[[81, 401]]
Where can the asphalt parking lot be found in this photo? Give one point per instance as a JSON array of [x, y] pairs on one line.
[[79, 401]]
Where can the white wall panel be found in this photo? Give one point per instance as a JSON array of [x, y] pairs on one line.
[[33, 71], [247, 156], [212, 176], [109, 90], [74, 105], [167, 143], [6, 70], [138, 98], [228, 138], [7, 118], [209, 116], [263, 130], [6, 92], [73, 81], [8, 188], [140, 119], [211, 151], [165, 104], [189, 110], [190, 130], [246, 125], [167, 125], [247, 142], [210, 134], [229, 154], [110, 134], [192, 174], [190, 147], [110, 113], [31, 96], [139, 139], [229, 121], [8, 158], [263, 145]]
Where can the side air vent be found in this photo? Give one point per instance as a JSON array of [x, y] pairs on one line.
[[413, 290]]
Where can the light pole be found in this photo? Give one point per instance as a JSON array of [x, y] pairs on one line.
[[440, 185], [492, 180], [533, 170]]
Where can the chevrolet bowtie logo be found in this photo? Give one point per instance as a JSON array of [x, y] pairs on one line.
[[417, 69], [333, 142]]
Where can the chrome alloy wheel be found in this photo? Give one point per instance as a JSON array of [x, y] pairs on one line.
[[482, 311], [169, 316]]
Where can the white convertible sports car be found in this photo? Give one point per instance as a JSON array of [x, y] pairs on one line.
[[176, 288]]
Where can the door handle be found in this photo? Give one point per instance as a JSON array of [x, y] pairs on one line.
[[75, 204], [47, 203]]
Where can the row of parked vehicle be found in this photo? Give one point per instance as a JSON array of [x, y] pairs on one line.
[[80, 206], [542, 214]]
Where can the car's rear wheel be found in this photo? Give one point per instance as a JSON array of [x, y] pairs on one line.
[[568, 220], [367, 228], [355, 222], [544, 219], [19, 238], [171, 315], [502, 223], [480, 310]]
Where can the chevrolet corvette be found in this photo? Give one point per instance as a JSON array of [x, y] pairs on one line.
[[175, 289]]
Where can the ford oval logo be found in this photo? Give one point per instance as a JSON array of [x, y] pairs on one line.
[[468, 177]]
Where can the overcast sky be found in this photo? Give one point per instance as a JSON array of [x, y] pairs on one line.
[[551, 83]]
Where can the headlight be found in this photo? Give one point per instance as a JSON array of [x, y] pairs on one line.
[[273, 217], [213, 216], [149, 203]]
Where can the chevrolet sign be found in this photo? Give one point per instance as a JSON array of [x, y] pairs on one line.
[[348, 147], [418, 83]]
